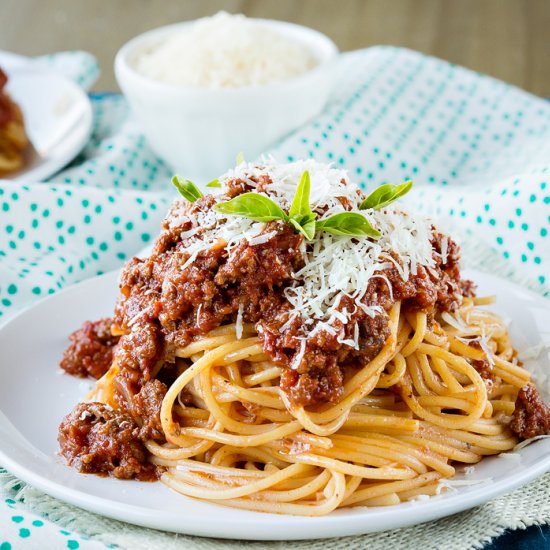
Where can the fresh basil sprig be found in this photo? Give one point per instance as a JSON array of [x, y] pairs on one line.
[[262, 209], [253, 206], [352, 224], [300, 215], [240, 158], [187, 189], [384, 195], [214, 183], [306, 227]]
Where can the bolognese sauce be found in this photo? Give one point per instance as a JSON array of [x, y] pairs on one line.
[[90, 352], [96, 439], [177, 295], [166, 302]]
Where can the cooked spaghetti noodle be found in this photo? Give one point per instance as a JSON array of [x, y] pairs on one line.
[[441, 389]]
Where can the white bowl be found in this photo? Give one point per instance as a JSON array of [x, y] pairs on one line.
[[199, 131]]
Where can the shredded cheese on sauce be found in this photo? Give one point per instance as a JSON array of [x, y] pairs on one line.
[[299, 356], [239, 322], [334, 266], [444, 248]]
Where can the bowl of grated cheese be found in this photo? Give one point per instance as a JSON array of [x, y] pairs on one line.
[[205, 90]]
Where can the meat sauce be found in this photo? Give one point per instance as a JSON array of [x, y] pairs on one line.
[[166, 306], [90, 352], [531, 416], [96, 439], [166, 302]]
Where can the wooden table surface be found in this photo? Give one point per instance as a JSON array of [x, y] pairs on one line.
[[508, 39]]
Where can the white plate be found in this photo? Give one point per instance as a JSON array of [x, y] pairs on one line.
[[58, 116], [34, 396]]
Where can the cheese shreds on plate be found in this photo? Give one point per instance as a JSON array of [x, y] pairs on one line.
[[225, 51], [452, 484], [334, 266]]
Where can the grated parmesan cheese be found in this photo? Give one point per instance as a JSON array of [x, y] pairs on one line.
[[483, 341], [419, 498], [510, 456], [452, 484], [84, 415], [527, 442], [239, 322], [444, 249], [142, 313], [484, 345], [260, 239], [456, 323], [299, 356], [225, 51], [334, 266], [197, 321]]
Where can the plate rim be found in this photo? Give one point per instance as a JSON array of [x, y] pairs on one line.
[[265, 526]]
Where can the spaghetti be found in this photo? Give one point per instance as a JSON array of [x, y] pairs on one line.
[[234, 417]]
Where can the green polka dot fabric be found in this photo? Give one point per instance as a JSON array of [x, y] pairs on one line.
[[88, 219], [21, 529], [477, 149]]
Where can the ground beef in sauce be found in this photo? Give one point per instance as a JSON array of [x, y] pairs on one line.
[[485, 370], [96, 439], [317, 381], [176, 304], [190, 302], [166, 303], [315, 385], [164, 306], [90, 352], [147, 404], [238, 187], [140, 350], [483, 367], [531, 416]]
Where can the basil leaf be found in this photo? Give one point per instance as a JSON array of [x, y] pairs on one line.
[[300, 215], [385, 194], [306, 218], [187, 189], [253, 206], [300, 202], [240, 158], [214, 183], [348, 223], [308, 229], [304, 225]]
